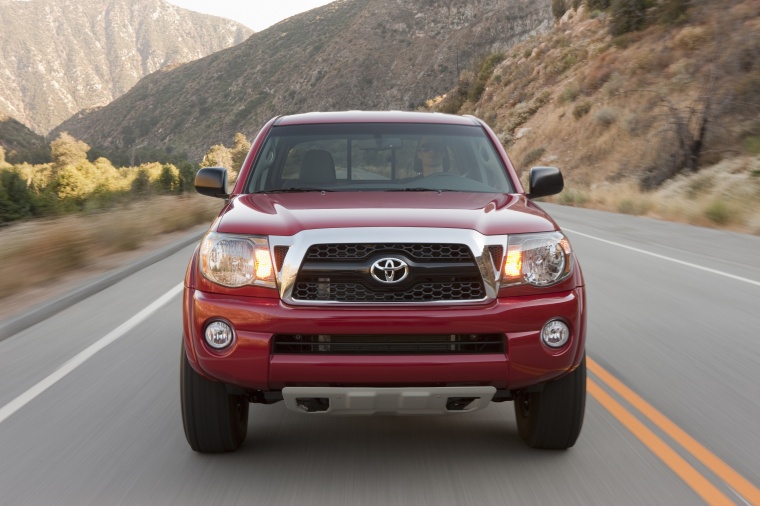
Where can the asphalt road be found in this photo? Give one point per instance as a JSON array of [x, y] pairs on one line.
[[673, 415]]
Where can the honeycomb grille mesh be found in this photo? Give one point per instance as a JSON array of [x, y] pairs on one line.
[[342, 273], [422, 292], [418, 252]]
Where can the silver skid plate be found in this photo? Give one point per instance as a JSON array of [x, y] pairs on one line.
[[387, 401]]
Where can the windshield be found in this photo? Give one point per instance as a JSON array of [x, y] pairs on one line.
[[378, 157]]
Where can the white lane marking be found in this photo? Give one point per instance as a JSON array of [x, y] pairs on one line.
[[83, 356], [663, 257]]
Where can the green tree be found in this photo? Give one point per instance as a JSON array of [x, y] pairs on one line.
[[66, 150], [15, 199], [74, 186], [169, 180], [187, 173], [141, 181], [217, 156], [240, 149]]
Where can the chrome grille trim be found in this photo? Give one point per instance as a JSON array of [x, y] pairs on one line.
[[416, 251], [298, 245]]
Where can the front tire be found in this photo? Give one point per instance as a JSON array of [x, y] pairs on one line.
[[214, 421], [552, 419]]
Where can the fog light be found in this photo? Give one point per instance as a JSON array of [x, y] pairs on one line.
[[219, 335], [555, 334]]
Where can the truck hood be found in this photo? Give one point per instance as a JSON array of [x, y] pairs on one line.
[[285, 214]]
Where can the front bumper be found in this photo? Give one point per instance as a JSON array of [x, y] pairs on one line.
[[387, 401], [250, 363]]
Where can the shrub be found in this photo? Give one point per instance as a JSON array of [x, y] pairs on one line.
[[751, 143], [454, 100], [533, 155], [718, 212], [613, 86], [634, 207], [581, 110], [691, 38], [485, 72], [570, 93], [598, 74], [672, 11], [627, 16], [597, 4], [652, 61], [522, 113], [559, 8], [573, 198], [606, 116]]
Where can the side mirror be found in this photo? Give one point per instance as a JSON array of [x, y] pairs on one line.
[[212, 181], [545, 181]]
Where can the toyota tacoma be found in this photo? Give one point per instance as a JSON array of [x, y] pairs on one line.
[[382, 263]]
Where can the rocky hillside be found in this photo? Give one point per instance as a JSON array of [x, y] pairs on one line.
[[60, 56], [18, 143], [661, 120], [350, 54]]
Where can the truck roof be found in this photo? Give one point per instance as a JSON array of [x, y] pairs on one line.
[[311, 118]]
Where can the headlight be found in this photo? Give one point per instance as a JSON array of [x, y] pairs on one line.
[[234, 260], [536, 259]]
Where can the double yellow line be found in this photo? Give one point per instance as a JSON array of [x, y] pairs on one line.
[[701, 485]]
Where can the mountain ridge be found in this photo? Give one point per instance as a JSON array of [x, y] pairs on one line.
[[61, 56], [348, 54]]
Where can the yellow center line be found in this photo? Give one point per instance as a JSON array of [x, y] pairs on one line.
[[683, 469], [736, 481]]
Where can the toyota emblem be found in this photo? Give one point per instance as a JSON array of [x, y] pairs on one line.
[[390, 270]]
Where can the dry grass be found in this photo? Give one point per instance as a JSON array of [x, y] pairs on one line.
[[726, 195], [38, 252]]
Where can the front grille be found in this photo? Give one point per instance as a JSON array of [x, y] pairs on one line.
[[434, 344], [423, 292], [497, 254], [279, 256], [343, 273], [419, 252]]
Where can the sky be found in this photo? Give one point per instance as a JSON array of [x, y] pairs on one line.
[[255, 14]]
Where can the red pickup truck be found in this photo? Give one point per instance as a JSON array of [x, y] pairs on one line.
[[382, 263]]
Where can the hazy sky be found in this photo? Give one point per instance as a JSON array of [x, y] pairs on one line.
[[255, 14]]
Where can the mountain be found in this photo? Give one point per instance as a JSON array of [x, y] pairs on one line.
[[58, 57], [20, 143], [350, 54], [663, 120]]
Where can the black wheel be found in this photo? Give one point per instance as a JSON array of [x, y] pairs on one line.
[[552, 418], [214, 420]]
